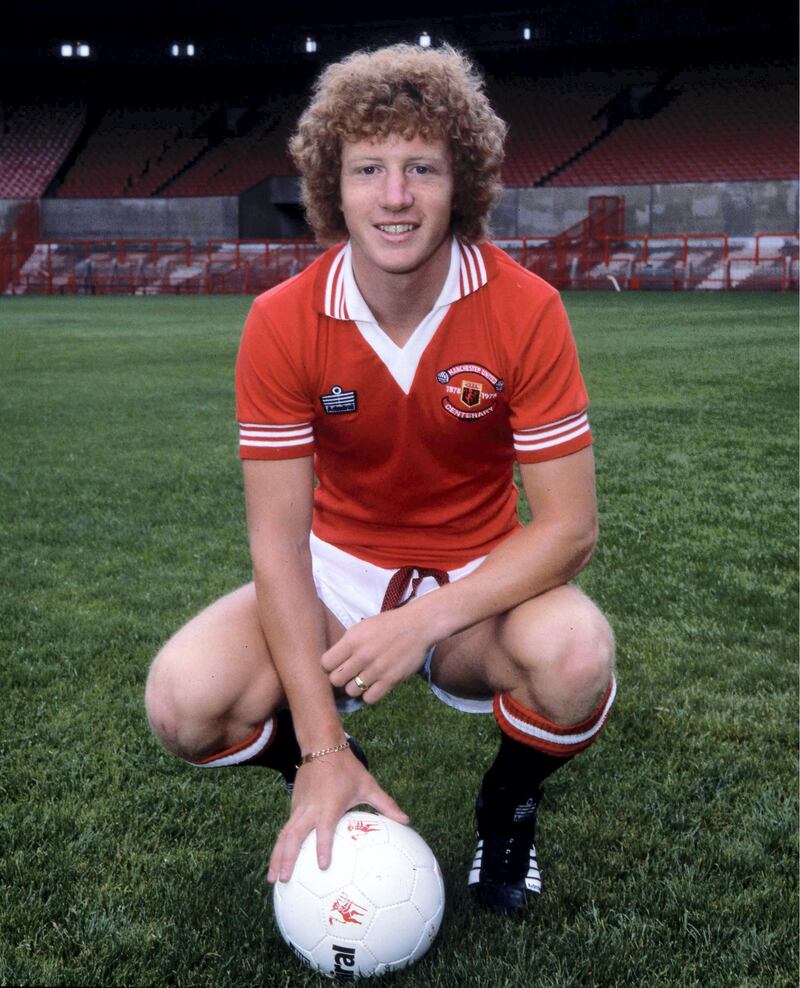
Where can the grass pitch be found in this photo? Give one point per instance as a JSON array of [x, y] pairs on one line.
[[669, 849]]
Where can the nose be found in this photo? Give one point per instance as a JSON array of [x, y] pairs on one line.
[[395, 192]]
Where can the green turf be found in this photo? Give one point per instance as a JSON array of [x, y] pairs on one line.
[[668, 850]]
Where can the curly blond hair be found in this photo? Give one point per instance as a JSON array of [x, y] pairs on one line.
[[406, 91]]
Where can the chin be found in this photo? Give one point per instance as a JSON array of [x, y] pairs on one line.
[[402, 267], [400, 263]]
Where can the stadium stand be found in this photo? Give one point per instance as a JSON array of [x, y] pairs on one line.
[[576, 128], [720, 125], [550, 120], [612, 128], [593, 253], [34, 140], [135, 151], [239, 162], [157, 267]]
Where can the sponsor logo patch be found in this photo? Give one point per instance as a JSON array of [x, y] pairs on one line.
[[339, 402], [471, 391]]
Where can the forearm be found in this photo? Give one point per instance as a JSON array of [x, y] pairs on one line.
[[547, 553], [294, 626], [530, 562], [326, 787], [278, 496]]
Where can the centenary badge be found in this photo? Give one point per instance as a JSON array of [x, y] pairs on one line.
[[471, 391]]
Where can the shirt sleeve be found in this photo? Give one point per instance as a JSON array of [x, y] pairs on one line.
[[549, 402], [276, 418]]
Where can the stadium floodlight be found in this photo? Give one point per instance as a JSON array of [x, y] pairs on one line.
[[67, 51], [424, 40], [526, 33], [311, 45], [84, 51], [175, 50], [190, 50]]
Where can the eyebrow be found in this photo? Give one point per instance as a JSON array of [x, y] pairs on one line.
[[416, 159]]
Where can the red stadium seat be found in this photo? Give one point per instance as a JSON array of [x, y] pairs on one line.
[[34, 141]]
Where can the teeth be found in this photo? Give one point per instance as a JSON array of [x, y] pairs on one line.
[[396, 227]]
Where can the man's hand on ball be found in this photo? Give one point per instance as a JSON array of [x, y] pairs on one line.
[[325, 789]]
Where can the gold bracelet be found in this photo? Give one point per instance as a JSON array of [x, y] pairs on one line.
[[324, 751]]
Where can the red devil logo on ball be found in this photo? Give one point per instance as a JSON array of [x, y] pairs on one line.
[[345, 911]]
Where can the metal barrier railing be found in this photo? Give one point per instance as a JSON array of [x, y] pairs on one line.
[[767, 261]]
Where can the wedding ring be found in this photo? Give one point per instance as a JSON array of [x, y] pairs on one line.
[[360, 683]]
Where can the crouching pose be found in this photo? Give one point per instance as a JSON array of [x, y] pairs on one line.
[[410, 367]]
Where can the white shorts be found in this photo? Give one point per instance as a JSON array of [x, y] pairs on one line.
[[353, 589]]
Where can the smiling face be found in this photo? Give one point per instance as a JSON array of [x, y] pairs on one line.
[[397, 197]]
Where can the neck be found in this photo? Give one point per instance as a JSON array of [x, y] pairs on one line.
[[401, 300]]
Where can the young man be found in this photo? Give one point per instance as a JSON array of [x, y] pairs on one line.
[[409, 368]]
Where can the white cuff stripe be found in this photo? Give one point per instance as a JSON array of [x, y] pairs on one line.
[[530, 447], [551, 425], [268, 425], [274, 434], [545, 432], [565, 739], [274, 444]]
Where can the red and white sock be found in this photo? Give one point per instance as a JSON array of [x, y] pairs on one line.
[[244, 752], [272, 745], [559, 740]]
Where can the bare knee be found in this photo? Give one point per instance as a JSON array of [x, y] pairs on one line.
[[563, 650], [189, 716], [162, 701], [586, 655]]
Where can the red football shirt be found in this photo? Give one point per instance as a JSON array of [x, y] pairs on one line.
[[413, 447]]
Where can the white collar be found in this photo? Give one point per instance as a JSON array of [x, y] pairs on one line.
[[343, 300], [358, 309]]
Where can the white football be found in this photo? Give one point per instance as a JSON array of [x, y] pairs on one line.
[[378, 907]]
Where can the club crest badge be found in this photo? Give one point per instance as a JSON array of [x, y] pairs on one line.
[[471, 391], [339, 402]]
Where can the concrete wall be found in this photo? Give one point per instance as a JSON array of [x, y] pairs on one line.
[[271, 210], [8, 212], [197, 219], [738, 208]]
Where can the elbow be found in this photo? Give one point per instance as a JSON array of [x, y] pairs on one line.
[[273, 559], [584, 542]]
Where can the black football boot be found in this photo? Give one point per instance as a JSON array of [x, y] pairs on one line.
[[505, 874]]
